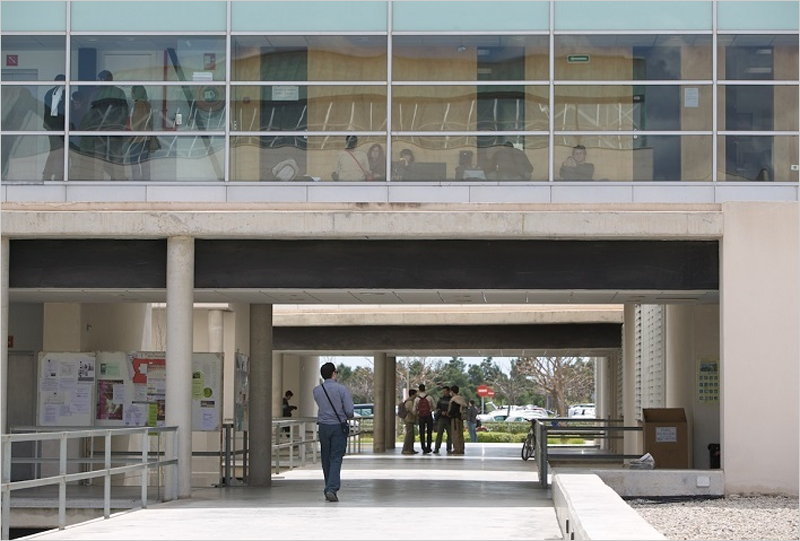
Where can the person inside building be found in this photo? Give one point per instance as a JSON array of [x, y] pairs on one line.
[[510, 163], [352, 163], [575, 166], [377, 162]]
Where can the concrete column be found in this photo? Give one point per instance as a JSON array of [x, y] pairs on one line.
[[309, 378], [679, 380], [216, 331], [381, 397], [692, 337], [633, 440], [260, 422], [759, 319], [4, 256], [390, 426], [180, 302], [277, 384]]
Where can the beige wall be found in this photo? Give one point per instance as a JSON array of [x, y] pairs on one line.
[[760, 301]]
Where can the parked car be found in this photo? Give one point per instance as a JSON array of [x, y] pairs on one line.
[[364, 410], [494, 416], [582, 411], [527, 414]]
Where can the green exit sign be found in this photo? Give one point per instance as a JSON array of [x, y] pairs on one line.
[[577, 58]]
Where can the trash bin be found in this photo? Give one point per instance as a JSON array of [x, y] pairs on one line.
[[713, 455]]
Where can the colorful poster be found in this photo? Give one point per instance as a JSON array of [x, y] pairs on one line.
[[708, 381], [110, 398]]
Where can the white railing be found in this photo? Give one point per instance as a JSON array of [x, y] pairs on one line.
[[142, 465]]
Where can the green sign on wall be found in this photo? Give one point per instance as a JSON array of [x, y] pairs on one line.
[[577, 58]]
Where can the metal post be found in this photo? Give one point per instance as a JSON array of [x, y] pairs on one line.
[[228, 454]]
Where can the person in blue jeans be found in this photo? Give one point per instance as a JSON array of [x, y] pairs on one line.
[[335, 407]]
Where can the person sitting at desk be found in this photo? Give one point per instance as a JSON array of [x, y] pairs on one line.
[[510, 163], [575, 166], [404, 169]]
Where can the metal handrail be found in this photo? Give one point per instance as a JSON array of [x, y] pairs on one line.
[[601, 428], [63, 437]]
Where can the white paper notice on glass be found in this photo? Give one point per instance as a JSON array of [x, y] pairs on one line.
[[691, 97]]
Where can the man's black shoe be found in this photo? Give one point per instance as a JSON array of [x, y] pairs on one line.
[[331, 497]]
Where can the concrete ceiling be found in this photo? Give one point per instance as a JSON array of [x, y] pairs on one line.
[[370, 297]]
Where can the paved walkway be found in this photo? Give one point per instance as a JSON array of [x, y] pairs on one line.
[[489, 493]]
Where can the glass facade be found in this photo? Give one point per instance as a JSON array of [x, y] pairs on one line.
[[272, 91]]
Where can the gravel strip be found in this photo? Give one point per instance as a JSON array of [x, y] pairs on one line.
[[733, 517]]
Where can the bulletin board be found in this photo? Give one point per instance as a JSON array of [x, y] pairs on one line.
[[115, 389], [66, 389]]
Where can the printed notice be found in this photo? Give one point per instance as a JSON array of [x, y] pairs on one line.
[[666, 434]]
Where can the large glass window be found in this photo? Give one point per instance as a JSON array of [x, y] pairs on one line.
[[637, 158], [164, 157], [313, 108], [309, 58], [754, 57], [470, 108], [635, 107], [758, 158], [149, 58], [638, 57], [470, 58]]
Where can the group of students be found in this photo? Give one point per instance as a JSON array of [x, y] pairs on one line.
[[448, 415]]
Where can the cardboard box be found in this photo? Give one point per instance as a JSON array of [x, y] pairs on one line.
[[666, 437]]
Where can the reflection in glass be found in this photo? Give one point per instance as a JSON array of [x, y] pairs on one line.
[[639, 158], [758, 107], [470, 58], [314, 108], [469, 108], [169, 157], [494, 158], [48, 52], [149, 58], [752, 57], [766, 158], [24, 157], [309, 58], [641, 107], [644, 57], [23, 107]]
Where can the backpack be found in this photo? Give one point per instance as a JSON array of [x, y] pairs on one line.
[[401, 409], [455, 410], [423, 407]]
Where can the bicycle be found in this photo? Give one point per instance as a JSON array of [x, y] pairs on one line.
[[529, 445]]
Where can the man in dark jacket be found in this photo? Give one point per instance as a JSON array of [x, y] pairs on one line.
[[443, 420]]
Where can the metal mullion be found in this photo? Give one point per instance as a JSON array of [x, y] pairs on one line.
[[551, 95], [308, 83], [630, 82], [389, 83], [67, 90], [228, 97], [714, 91]]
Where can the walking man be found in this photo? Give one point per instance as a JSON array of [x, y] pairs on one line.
[[335, 405]]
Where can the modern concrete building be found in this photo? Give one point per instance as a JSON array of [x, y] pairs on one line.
[[663, 139]]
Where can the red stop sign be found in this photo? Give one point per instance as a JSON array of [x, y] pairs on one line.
[[490, 393], [482, 390]]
